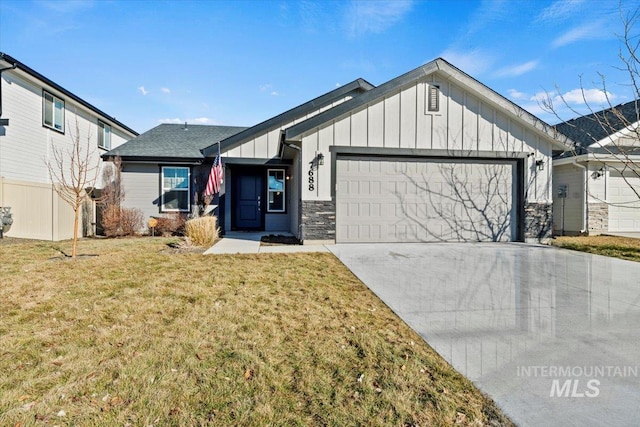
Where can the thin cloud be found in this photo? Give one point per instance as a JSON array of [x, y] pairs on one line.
[[266, 87], [375, 17], [517, 70], [515, 94], [473, 62], [66, 6], [488, 14], [589, 31], [193, 121], [142, 90], [559, 10], [591, 96], [165, 90], [576, 97]]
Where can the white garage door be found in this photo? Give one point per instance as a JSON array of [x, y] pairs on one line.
[[624, 207], [419, 200]]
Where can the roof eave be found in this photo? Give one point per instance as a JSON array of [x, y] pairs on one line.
[[288, 116], [33, 73], [560, 141]]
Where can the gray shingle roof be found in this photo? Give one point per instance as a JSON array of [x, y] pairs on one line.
[[591, 128], [173, 142]]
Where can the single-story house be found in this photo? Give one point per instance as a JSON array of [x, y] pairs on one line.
[[431, 155], [597, 184]]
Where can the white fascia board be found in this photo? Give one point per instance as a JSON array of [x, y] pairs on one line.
[[559, 140], [592, 157], [608, 140]]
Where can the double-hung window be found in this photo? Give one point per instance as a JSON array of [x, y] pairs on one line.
[[53, 111], [276, 190], [176, 187], [104, 135]]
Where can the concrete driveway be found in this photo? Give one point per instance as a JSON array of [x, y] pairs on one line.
[[553, 336]]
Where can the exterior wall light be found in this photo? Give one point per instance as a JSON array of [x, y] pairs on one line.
[[540, 165], [597, 174], [320, 159]]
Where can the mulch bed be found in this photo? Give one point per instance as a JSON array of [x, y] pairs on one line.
[[274, 240]]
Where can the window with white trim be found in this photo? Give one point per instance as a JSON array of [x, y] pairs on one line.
[[275, 190], [53, 111], [176, 188], [104, 135]]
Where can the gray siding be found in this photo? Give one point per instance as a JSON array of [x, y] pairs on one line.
[[142, 188]]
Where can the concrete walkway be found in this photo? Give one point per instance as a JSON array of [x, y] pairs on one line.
[[249, 243]]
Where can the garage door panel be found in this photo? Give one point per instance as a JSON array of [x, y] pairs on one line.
[[420, 200]]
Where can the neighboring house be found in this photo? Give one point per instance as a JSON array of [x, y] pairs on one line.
[[597, 185], [432, 155], [38, 115]]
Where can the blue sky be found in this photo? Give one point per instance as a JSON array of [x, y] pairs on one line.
[[242, 62]]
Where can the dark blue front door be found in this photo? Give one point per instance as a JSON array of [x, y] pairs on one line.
[[248, 201]]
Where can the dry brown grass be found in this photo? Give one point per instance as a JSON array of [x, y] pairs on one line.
[[619, 247], [139, 337]]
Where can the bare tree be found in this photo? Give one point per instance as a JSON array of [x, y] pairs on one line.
[[73, 173], [470, 206], [608, 123]]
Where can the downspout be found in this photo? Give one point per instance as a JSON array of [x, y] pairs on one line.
[[299, 179], [585, 205]]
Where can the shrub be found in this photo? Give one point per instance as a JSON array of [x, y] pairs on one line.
[[118, 222], [170, 224], [202, 231]]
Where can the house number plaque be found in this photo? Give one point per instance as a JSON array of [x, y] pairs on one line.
[[312, 180]]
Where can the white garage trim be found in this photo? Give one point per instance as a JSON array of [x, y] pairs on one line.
[[426, 199]]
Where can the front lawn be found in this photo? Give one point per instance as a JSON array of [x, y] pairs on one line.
[[613, 246], [140, 336]]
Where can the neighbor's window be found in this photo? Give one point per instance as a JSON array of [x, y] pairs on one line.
[[176, 188], [275, 190], [104, 135], [433, 103], [53, 115]]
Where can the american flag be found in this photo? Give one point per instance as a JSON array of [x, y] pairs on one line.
[[215, 177]]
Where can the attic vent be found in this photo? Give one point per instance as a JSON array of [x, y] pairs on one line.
[[433, 101]]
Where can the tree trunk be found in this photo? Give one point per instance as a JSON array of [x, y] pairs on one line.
[[74, 247]]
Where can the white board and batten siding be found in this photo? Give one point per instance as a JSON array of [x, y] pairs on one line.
[[265, 145], [401, 120], [454, 197]]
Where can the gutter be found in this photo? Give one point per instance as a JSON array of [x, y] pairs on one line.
[[33, 73], [585, 205]]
